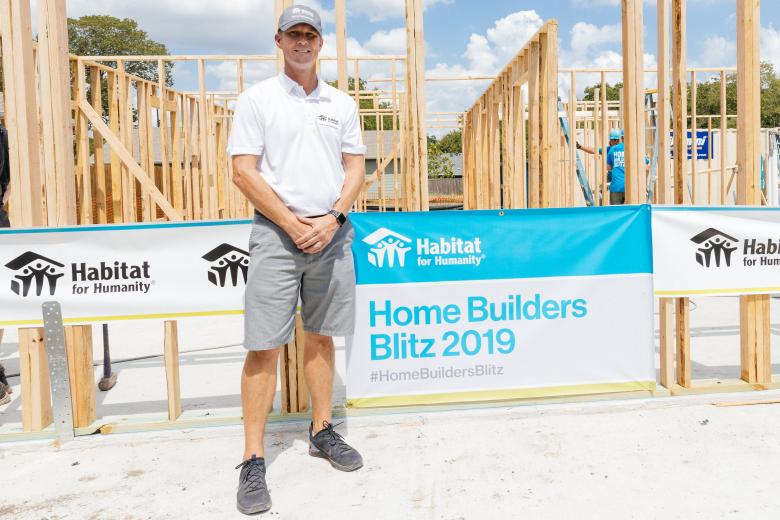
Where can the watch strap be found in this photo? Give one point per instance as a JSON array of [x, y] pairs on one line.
[[339, 216]]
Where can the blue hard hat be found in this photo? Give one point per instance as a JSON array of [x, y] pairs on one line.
[[615, 134]]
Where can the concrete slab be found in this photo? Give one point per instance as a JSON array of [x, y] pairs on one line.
[[660, 458]]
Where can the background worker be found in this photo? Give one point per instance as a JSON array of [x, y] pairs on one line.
[[615, 174], [5, 179]]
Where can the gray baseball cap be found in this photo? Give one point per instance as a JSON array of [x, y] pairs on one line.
[[296, 14]]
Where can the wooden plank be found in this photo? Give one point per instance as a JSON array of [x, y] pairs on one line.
[[754, 309], [634, 92], [127, 160], [84, 174], [125, 128], [177, 180], [604, 134], [683, 335], [494, 180], [187, 119], [171, 357], [300, 343], [666, 320], [519, 189], [57, 113], [35, 381], [116, 164], [203, 129], [664, 184], [715, 386], [694, 127], [239, 76], [78, 345], [550, 152], [164, 138], [289, 378], [573, 134], [415, 88], [100, 216], [145, 152], [709, 160], [679, 94], [724, 129], [754, 402], [597, 140], [341, 44], [26, 207], [213, 177], [534, 125]]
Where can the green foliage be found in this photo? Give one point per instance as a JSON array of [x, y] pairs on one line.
[[708, 98], [370, 122], [451, 142], [101, 35], [613, 91], [439, 163]]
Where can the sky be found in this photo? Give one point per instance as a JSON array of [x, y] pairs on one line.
[[462, 37]]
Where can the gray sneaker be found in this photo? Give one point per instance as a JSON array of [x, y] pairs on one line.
[[252, 496], [328, 444]]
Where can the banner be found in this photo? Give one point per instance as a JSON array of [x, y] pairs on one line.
[[704, 148], [116, 272], [716, 250], [474, 305]]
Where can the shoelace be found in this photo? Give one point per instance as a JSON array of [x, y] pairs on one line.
[[255, 475], [335, 438]]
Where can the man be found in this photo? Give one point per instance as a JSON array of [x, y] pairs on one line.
[[5, 179], [615, 138], [616, 168], [297, 155], [615, 135]]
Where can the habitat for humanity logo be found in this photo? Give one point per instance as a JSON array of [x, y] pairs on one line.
[[34, 270], [715, 246], [225, 259], [387, 246], [390, 249]]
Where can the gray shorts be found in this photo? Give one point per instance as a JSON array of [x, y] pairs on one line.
[[280, 273]]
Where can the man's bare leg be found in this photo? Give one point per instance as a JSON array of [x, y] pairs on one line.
[[258, 387], [318, 361]]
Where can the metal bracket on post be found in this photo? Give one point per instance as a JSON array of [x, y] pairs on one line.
[[54, 334]]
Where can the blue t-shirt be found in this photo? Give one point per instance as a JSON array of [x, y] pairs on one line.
[[616, 157]]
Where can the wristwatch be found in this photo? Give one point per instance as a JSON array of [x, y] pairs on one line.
[[340, 217]]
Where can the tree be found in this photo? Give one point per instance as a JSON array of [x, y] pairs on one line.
[[439, 163], [101, 35], [451, 142], [708, 97], [613, 91], [370, 122]]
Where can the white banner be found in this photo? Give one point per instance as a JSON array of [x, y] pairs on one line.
[[103, 273], [715, 250], [481, 305]]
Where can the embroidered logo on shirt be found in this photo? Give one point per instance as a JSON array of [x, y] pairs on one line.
[[327, 120]]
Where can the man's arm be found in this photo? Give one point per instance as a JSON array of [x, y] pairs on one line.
[[354, 175], [324, 228], [263, 198], [586, 149]]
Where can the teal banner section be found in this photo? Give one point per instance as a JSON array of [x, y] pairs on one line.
[[501, 244]]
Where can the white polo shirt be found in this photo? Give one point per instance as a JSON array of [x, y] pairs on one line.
[[299, 139]]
